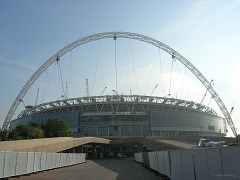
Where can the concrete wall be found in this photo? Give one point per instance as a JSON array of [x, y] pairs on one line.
[[63, 143], [48, 144]]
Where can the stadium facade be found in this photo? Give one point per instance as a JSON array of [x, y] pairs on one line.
[[115, 116]]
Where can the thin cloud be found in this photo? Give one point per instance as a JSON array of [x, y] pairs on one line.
[[201, 17], [18, 63]]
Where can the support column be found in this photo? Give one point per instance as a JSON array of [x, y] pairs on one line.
[[94, 152]]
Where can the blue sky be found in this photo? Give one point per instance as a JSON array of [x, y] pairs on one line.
[[205, 32]]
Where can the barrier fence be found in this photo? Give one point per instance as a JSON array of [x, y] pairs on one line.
[[20, 163], [204, 163]]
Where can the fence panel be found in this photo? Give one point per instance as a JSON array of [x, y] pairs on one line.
[[214, 163], [161, 164], [58, 160], [138, 157], [83, 158], [187, 164], [21, 167], [43, 161], [153, 160], [10, 164], [201, 165], [145, 159], [167, 163], [231, 162], [37, 161], [61, 160], [64, 159], [74, 158], [19, 163], [54, 160], [49, 160], [176, 165], [68, 159], [2, 159], [30, 162]]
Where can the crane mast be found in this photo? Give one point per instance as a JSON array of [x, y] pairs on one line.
[[102, 92], [87, 88], [154, 90]]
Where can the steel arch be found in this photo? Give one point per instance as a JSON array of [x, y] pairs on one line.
[[129, 35]]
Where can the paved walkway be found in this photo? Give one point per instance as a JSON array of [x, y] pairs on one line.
[[105, 169], [181, 144]]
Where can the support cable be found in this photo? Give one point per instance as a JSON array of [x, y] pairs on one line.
[[161, 74], [170, 86], [78, 71], [126, 56], [104, 59], [150, 76], [186, 81], [60, 72], [126, 78], [50, 86], [134, 68], [70, 75], [95, 74], [115, 38]]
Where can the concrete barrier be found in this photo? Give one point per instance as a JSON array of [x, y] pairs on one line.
[[19, 163], [204, 163]]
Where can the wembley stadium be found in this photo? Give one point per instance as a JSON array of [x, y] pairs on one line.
[[128, 115], [122, 114]]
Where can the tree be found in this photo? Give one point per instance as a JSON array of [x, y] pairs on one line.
[[30, 131], [5, 135], [19, 132], [55, 128], [34, 131]]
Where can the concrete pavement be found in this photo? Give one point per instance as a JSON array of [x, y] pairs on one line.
[[103, 169]]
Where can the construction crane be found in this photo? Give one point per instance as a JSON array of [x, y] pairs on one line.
[[210, 84], [87, 88], [231, 111], [102, 92], [66, 91], [154, 90], [116, 93]]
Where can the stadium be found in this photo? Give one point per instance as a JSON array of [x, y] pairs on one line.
[[126, 115]]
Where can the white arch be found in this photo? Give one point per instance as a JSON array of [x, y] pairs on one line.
[[129, 35]]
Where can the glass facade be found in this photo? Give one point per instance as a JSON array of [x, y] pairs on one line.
[[184, 123], [113, 125], [71, 118], [162, 122]]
